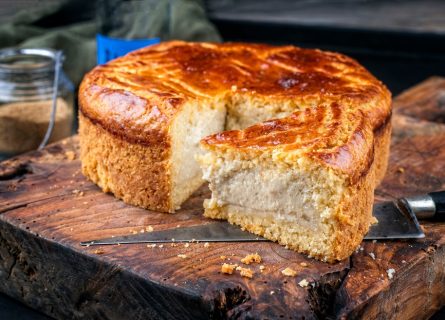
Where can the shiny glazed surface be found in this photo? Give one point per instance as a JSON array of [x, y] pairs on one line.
[[339, 104]]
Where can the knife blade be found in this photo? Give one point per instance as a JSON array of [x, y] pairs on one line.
[[396, 220], [212, 232]]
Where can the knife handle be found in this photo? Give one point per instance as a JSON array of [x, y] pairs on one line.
[[439, 200]]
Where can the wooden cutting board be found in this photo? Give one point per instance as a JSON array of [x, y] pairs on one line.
[[47, 207]]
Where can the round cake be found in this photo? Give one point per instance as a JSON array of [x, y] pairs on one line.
[[282, 128]]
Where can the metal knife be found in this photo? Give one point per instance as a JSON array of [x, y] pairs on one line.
[[396, 220]]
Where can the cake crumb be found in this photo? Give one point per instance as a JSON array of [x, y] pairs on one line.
[[390, 273], [245, 272], [303, 264], [173, 245], [206, 245], [142, 231], [161, 246], [374, 241], [228, 268], [149, 229], [77, 192], [250, 258], [70, 155], [186, 245], [289, 272], [262, 268], [182, 256], [134, 232], [303, 283], [400, 170], [99, 251], [403, 261], [151, 245], [234, 88], [372, 255], [222, 257], [272, 292]]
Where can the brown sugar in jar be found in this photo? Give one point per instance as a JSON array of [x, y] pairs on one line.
[[23, 124], [27, 78]]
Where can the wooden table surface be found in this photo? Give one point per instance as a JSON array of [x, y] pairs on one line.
[[47, 207]]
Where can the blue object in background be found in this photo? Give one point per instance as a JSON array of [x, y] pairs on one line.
[[111, 48]]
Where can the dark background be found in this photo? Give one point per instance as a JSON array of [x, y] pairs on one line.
[[400, 42]]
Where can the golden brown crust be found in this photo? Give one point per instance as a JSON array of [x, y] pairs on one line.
[[138, 95], [134, 173]]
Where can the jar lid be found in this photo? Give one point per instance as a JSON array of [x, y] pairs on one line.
[[25, 60]]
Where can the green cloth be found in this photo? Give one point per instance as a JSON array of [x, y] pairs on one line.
[[72, 25]]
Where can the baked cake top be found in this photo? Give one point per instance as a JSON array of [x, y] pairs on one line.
[[338, 103]]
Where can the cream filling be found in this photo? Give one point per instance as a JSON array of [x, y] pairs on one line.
[[295, 196]]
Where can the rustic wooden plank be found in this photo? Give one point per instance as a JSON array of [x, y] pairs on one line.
[[47, 207]]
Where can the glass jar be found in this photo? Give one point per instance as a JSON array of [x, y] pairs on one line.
[[36, 100]]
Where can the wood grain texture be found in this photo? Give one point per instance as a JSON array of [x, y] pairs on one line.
[[47, 207]]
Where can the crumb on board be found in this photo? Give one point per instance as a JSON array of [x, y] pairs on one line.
[[303, 264], [400, 170], [262, 268], [182, 256], [288, 272], [142, 231], [134, 232], [222, 257], [303, 283], [250, 258], [245, 272], [151, 245], [390, 273], [12, 187], [149, 229], [77, 192], [206, 245], [228, 268], [374, 220], [70, 155], [372, 255], [272, 292], [186, 245], [161, 246], [99, 251]]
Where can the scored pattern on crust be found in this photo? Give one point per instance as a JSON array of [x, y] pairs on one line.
[[138, 95]]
